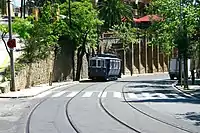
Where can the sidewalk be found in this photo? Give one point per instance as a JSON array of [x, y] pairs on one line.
[[34, 91], [194, 90]]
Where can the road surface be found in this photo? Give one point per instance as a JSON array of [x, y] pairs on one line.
[[143, 104]]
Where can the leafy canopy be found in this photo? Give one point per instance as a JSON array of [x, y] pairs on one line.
[[126, 33], [112, 11], [84, 22], [175, 28]]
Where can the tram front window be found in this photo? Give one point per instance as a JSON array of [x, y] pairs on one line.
[[93, 63]]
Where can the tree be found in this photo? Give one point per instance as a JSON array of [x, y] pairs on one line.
[[177, 28], [38, 36], [82, 32], [42, 36], [41, 3], [126, 35], [112, 11]]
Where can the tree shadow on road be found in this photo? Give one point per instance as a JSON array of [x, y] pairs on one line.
[[193, 116], [162, 82], [194, 93], [167, 100], [158, 93], [149, 86]]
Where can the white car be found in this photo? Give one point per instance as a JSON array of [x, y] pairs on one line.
[[174, 68]]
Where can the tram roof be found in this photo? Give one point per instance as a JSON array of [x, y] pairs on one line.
[[107, 55], [96, 57]]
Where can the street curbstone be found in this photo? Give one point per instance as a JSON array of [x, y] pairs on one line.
[[29, 96], [174, 85], [144, 74]]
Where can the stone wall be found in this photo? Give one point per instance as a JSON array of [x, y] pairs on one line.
[[141, 58], [59, 65], [34, 74]]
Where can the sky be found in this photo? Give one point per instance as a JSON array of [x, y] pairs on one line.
[[17, 2]]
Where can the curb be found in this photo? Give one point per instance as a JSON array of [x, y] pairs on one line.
[[16, 97], [71, 82], [144, 74], [181, 91]]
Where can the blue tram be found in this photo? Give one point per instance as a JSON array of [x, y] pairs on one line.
[[105, 67]]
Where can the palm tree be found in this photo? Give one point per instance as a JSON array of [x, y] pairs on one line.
[[112, 11]]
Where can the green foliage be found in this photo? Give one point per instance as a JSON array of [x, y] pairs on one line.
[[174, 30], [23, 27], [42, 37], [84, 23], [3, 28], [41, 3], [112, 11], [39, 36], [126, 33]]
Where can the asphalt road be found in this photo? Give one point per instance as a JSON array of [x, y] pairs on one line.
[[143, 104]]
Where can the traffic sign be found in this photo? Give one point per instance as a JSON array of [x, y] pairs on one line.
[[11, 43]]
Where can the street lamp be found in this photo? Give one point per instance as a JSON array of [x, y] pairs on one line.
[[12, 68]]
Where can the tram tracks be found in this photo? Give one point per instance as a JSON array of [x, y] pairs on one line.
[[102, 106], [28, 123], [113, 116], [77, 130], [67, 112], [150, 116]]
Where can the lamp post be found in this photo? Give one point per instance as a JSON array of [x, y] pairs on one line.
[[21, 9], [12, 68], [179, 51]]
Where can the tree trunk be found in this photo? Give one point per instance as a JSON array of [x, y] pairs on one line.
[[80, 55], [124, 62], [185, 72], [93, 51], [180, 70], [73, 65], [88, 57], [132, 59]]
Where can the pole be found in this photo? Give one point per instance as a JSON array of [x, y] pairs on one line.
[[185, 57], [180, 57], [24, 9], [21, 9], [70, 18], [12, 68], [72, 58]]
